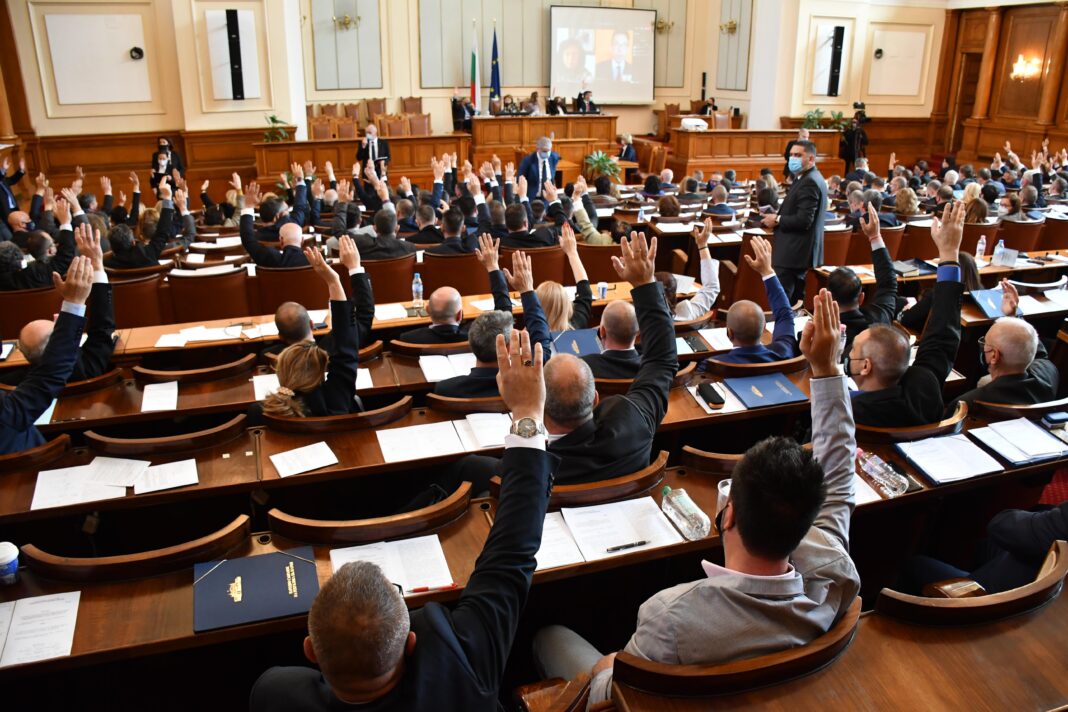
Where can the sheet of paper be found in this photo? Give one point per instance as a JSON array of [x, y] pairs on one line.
[[558, 547], [160, 396], [46, 417], [436, 368], [7, 610], [716, 339], [303, 459], [950, 458], [41, 627], [363, 379], [203, 333], [731, 404], [681, 347], [1058, 297], [489, 429], [116, 471], [487, 304], [70, 485], [684, 284], [250, 267], [863, 492], [419, 256], [208, 234], [1030, 305], [462, 363], [167, 476], [412, 563], [388, 312], [1028, 437], [417, 442], [799, 324], [227, 241], [601, 527], [264, 385], [605, 212], [675, 228], [207, 271], [318, 316], [202, 245], [5, 349], [170, 341], [195, 258]]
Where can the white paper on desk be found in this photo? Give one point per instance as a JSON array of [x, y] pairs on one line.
[[208, 271], [863, 492], [1057, 296], [675, 228], [208, 234], [602, 526], [70, 485], [728, 238], [1030, 305], [46, 417], [250, 267], [389, 312], [6, 349], [202, 245], [489, 429], [462, 363], [731, 404], [317, 316], [267, 328], [195, 258], [170, 341], [487, 304], [264, 385], [227, 241], [203, 333], [116, 471], [160, 396], [799, 324], [164, 262], [363, 379], [419, 256], [303, 459], [436, 368], [417, 442], [605, 212], [684, 284], [167, 476], [41, 627], [411, 563], [1029, 438], [558, 547], [949, 458], [716, 338], [681, 347]]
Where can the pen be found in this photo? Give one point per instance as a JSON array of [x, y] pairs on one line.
[[428, 589], [624, 547]]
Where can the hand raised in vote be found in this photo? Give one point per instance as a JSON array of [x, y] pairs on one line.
[[488, 252], [819, 340], [88, 241], [1010, 298], [869, 223], [350, 256], [520, 377], [78, 283], [637, 262], [521, 278], [761, 261]]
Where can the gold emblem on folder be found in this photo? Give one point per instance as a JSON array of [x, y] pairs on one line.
[[234, 590], [575, 348], [756, 391]]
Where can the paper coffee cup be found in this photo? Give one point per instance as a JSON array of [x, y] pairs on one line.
[[9, 563], [723, 492]]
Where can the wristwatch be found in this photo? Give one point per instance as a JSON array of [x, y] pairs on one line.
[[527, 428]]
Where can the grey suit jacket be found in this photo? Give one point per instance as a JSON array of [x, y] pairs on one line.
[[729, 616], [799, 234]]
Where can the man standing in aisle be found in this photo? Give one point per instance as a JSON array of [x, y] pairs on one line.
[[798, 225], [539, 167]]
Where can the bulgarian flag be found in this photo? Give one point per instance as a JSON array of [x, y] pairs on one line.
[[476, 86]]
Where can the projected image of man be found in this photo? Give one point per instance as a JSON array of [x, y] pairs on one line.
[[617, 69]]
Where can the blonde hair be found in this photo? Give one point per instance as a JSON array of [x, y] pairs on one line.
[[971, 192], [301, 369], [231, 197], [770, 181], [906, 203], [558, 308], [146, 223]]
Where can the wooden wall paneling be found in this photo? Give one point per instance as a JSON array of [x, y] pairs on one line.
[[215, 155], [972, 31], [11, 76], [1024, 31], [732, 67]]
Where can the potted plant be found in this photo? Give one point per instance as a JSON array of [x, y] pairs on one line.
[[276, 131], [600, 163]]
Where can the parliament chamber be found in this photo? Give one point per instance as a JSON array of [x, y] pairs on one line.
[[640, 355]]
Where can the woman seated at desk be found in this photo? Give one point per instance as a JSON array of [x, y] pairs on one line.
[[703, 301], [562, 313]]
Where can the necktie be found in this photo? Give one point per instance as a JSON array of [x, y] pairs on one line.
[[544, 172], [374, 150]]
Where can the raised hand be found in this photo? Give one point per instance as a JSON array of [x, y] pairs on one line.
[[637, 262], [869, 223], [326, 273], [284, 180], [135, 181], [405, 185], [88, 242], [819, 340], [438, 167], [79, 172], [70, 196], [164, 188], [474, 185], [204, 186], [122, 198], [509, 172], [568, 243], [252, 195], [309, 168], [344, 191], [49, 199], [1010, 298], [761, 263], [78, 283], [521, 278], [521, 185], [350, 256], [382, 191], [701, 234], [105, 185], [446, 161], [180, 203], [329, 168], [488, 252], [62, 210], [317, 188], [297, 171], [580, 189], [42, 183], [495, 161], [948, 231], [520, 376], [486, 170], [548, 189]]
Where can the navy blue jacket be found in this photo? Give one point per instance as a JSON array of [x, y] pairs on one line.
[[528, 167], [783, 338]]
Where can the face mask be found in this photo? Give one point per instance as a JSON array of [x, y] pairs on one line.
[[794, 164], [30, 226], [543, 155]]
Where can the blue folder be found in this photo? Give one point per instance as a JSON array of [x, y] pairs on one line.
[[577, 342], [989, 300], [763, 391], [253, 588]]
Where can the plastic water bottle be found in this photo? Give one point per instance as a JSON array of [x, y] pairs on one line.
[[417, 291], [687, 516], [999, 250], [980, 247], [641, 214], [891, 482]]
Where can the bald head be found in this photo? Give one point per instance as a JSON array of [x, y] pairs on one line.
[[619, 325], [289, 235], [882, 356], [570, 394], [745, 319], [18, 220], [445, 306], [294, 324], [1016, 342], [34, 338]]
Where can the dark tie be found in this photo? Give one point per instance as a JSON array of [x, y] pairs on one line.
[[544, 171], [374, 150]]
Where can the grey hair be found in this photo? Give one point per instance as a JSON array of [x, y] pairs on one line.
[[10, 257], [544, 144], [482, 336]]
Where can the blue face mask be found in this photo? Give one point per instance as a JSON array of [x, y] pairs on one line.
[[543, 155], [794, 164]]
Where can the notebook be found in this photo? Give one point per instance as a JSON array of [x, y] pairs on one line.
[[989, 301], [579, 342], [948, 458], [762, 391]]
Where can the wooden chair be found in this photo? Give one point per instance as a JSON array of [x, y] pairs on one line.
[[136, 302], [1011, 410], [374, 108], [719, 465], [924, 610], [597, 259], [21, 306], [742, 370], [170, 444], [411, 105], [1054, 235], [462, 272], [419, 124], [278, 285], [328, 110], [972, 233], [142, 564], [617, 386], [352, 111], [215, 296], [196, 375], [354, 531], [547, 263], [917, 243], [368, 353], [671, 109], [36, 457], [406, 348], [392, 279], [346, 128], [859, 249], [137, 272], [947, 426], [321, 128], [892, 236], [747, 283], [446, 404], [722, 121], [726, 678], [636, 484], [395, 126], [836, 247], [659, 161], [555, 695], [340, 423], [1020, 236]]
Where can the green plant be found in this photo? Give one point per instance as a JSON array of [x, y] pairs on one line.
[[812, 119], [816, 119], [600, 163], [839, 121], [276, 131]]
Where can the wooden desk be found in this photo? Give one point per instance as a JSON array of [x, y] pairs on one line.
[[746, 151], [503, 134], [666, 122]]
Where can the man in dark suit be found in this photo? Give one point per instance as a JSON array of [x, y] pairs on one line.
[[374, 151], [128, 253], [617, 332], [799, 222], [274, 212], [457, 241], [690, 187], [446, 311], [20, 409], [519, 218], [617, 69], [38, 273], [384, 244], [893, 393], [584, 103], [462, 112], [289, 252], [372, 651], [8, 204], [709, 107], [846, 288], [719, 202], [538, 167], [426, 221]]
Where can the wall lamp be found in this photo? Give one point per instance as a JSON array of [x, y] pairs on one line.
[[1024, 69], [346, 22], [729, 27], [663, 25]]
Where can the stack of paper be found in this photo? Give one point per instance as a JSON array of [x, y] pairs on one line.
[[170, 341], [681, 347], [949, 458], [195, 258], [205, 271], [1019, 441], [160, 396], [716, 339], [267, 328], [1029, 305], [167, 476], [389, 312], [864, 493], [1058, 297], [558, 547], [69, 486], [264, 385], [799, 324], [227, 241], [363, 379], [486, 429], [675, 228], [417, 442], [604, 531], [438, 368], [317, 316], [37, 628], [116, 471], [416, 564], [303, 459], [5, 350], [203, 333], [684, 284]]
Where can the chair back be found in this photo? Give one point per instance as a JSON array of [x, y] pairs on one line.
[[618, 386], [682, 327], [395, 126], [726, 678], [411, 104], [346, 128], [321, 128], [278, 285], [747, 283], [597, 259], [671, 109], [352, 111], [836, 247], [353, 531], [135, 272], [375, 107], [340, 423], [741, 370], [123, 447], [659, 161], [36, 457], [892, 236], [559, 695], [972, 233], [1022, 236], [1011, 410], [463, 272], [722, 121], [419, 124], [214, 296], [21, 306], [546, 263], [406, 348], [1039, 287], [719, 465], [196, 375], [328, 110], [141, 564], [391, 279], [1054, 234], [137, 303], [917, 243], [88, 385], [858, 251], [696, 105], [947, 426], [446, 404], [980, 609]]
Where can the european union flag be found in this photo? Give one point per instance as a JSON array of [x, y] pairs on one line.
[[495, 73]]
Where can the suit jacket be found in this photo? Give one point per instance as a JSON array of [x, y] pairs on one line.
[[783, 338], [720, 209], [480, 383], [7, 196], [337, 394], [461, 650], [726, 615], [290, 256], [529, 168], [586, 107], [1018, 541], [363, 154], [146, 255], [604, 71], [94, 357], [799, 234], [917, 398], [628, 153], [174, 162], [455, 246], [382, 247], [461, 115], [19, 409], [1037, 384], [429, 235], [436, 334], [39, 274], [614, 363], [882, 307]]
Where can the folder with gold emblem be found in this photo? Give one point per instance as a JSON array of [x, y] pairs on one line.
[[577, 342], [253, 588], [763, 391]]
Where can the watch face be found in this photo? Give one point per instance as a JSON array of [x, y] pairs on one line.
[[525, 427]]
